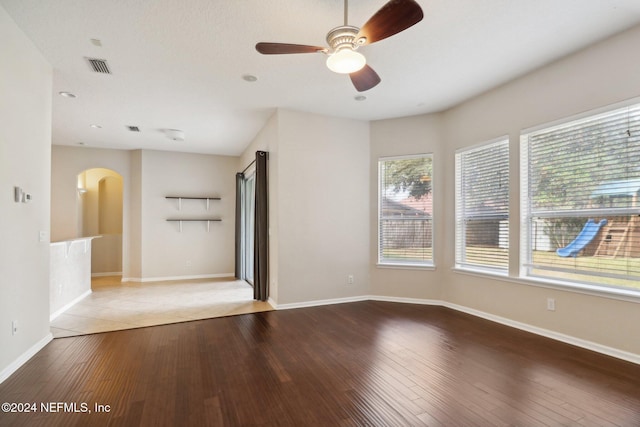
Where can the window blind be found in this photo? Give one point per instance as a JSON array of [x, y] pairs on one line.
[[581, 207], [482, 207], [405, 211]]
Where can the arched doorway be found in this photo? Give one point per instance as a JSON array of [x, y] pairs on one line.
[[99, 207]]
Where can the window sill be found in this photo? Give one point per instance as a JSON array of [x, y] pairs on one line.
[[406, 266], [594, 290], [602, 291], [481, 272]]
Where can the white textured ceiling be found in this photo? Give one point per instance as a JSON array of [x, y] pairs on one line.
[[178, 63]]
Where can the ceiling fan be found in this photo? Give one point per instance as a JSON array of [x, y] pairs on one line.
[[344, 41]]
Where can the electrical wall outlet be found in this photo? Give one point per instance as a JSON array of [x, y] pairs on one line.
[[350, 279], [551, 304], [14, 327], [17, 194]]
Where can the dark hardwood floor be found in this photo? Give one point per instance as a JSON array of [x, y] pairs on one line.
[[359, 364]]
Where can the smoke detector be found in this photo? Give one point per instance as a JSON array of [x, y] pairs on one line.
[[174, 134]]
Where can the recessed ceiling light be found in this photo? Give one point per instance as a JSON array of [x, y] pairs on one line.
[[360, 97], [96, 42], [67, 94], [95, 126], [249, 78], [80, 143]]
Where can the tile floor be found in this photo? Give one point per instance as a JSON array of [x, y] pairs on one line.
[[114, 306]]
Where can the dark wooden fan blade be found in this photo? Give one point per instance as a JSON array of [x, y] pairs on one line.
[[395, 16], [364, 79], [285, 48]]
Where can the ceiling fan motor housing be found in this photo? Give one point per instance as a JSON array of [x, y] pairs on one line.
[[343, 37]]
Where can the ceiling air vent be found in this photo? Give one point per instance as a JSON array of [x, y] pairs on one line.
[[133, 128], [99, 65]]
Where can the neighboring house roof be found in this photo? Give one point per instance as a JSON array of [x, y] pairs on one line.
[[489, 209], [408, 207]]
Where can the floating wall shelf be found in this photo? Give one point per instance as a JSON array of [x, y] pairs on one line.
[[181, 220], [181, 198], [207, 220]]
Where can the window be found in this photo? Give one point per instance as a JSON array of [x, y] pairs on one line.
[[405, 213], [581, 201], [482, 207], [248, 212]]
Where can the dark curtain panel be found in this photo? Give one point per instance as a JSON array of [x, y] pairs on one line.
[[239, 182], [261, 242]]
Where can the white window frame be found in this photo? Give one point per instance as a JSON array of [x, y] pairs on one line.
[[525, 262], [429, 264], [460, 226]]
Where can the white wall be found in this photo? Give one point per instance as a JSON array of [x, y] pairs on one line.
[[132, 242], [69, 273], [603, 74], [321, 202], [102, 213], [152, 247], [66, 163], [398, 137], [324, 207], [25, 161], [102, 202], [166, 252]]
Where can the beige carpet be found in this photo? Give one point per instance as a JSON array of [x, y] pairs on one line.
[[114, 306]]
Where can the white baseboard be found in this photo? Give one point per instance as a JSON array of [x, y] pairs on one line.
[[578, 342], [174, 278], [68, 306], [405, 300], [568, 339], [114, 273], [317, 302], [16, 364]]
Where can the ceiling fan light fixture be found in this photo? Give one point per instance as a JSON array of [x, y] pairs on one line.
[[394, 17], [346, 61]]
